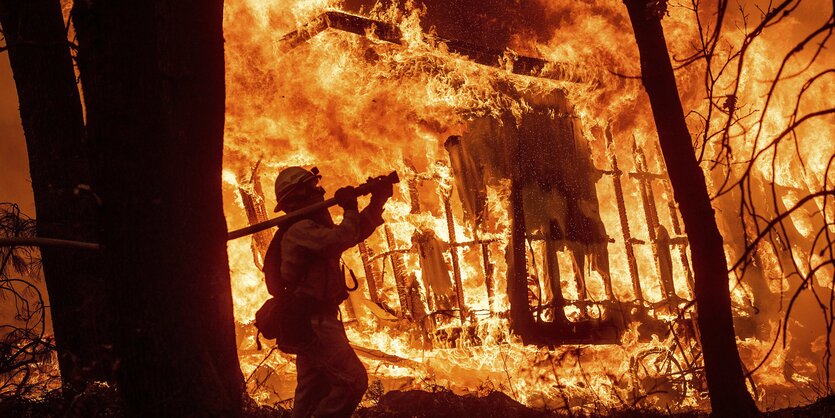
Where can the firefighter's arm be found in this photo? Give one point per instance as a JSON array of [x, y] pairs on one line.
[[371, 217]]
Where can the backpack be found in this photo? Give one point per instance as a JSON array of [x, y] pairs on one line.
[[284, 317]]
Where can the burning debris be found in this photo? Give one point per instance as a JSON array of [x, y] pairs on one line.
[[534, 243], [533, 246], [508, 225], [554, 237]]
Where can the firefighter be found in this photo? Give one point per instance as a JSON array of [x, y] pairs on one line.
[[331, 380]]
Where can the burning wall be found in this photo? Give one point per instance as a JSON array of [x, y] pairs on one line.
[[480, 148]]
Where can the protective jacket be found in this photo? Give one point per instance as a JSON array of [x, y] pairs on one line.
[[310, 255]]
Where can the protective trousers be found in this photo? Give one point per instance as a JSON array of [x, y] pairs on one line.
[[331, 378]]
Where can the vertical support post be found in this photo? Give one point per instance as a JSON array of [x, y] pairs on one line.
[[399, 269], [488, 274], [414, 198], [370, 275], [552, 266], [624, 219], [673, 208], [256, 212], [651, 214], [517, 283], [456, 268], [350, 313]]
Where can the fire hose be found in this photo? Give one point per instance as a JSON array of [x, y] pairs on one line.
[[369, 186]]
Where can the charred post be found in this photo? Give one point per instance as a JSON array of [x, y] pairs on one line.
[[624, 219], [399, 270], [370, 274], [456, 268], [644, 179], [256, 212], [679, 237]]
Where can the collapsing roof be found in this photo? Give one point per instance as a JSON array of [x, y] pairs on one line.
[[388, 32]]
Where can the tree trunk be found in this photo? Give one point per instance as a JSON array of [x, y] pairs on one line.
[[50, 110], [726, 384], [153, 79]]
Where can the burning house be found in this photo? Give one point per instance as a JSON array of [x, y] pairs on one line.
[[546, 157], [494, 149]]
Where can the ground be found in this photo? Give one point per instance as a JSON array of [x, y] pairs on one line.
[[103, 403]]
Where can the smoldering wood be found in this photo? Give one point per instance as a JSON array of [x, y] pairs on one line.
[[662, 243], [435, 272], [552, 272], [469, 181], [414, 197], [255, 208], [370, 273], [387, 32], [472, 192], [651, 216], [672, 208], [665, 261], [488, 275], [540, 150], [616, 175], [521, 321], [350, 312], [400, 279], [456, 267]]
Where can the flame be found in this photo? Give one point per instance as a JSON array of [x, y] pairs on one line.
[[357, 106]]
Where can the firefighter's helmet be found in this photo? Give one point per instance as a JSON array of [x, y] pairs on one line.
[[289, 180]]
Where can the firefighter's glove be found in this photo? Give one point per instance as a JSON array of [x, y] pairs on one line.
[[382, 192], [346, 198]]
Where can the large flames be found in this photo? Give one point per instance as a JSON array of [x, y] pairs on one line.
[[357, 105]]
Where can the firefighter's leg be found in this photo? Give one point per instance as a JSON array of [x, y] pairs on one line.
[[345, 373], [311, 386]]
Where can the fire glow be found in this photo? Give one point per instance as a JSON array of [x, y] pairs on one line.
[[571, 146]]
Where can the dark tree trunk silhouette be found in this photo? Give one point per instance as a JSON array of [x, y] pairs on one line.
[[50, 110], [726, 383], [153, 79]]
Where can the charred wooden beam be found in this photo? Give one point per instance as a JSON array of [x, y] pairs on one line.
[[399, 269], [628, 241], [673, 208], [578, 264], [488, 275], [256, 212], [517, 280], [552, 267], [350, 312], [414, 198], [387, 32], [386, 254], [456, 267], [370, 274], [651, 215], [385, 357]]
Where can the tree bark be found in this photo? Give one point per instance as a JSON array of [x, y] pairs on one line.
[[726, 383], [153, 79], [50, 110]]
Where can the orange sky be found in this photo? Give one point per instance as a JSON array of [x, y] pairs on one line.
[[15, 185]]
